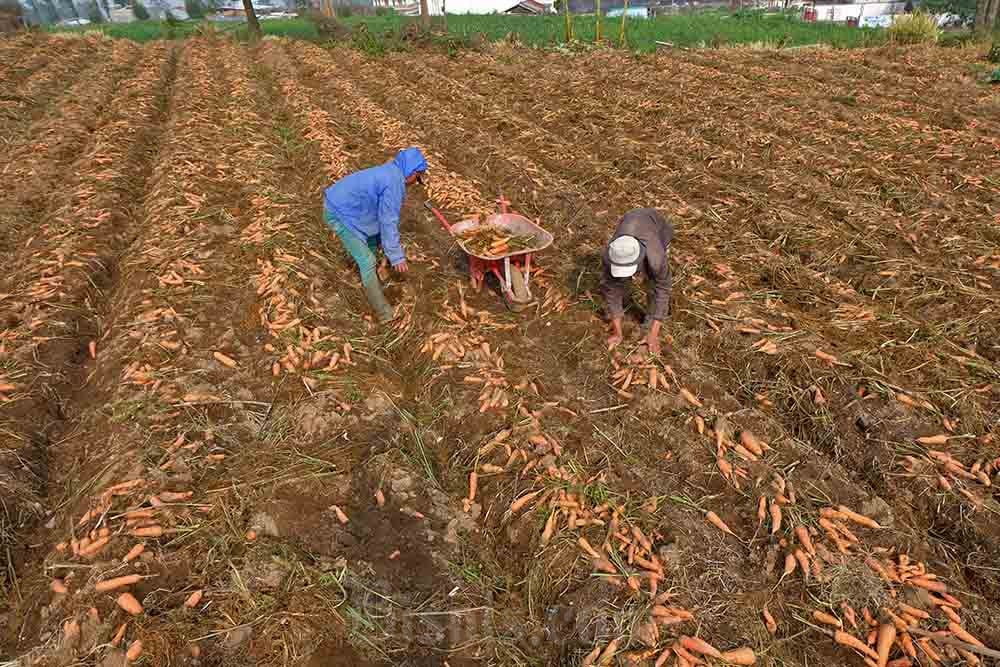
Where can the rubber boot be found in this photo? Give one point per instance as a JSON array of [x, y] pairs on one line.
[[378, 301]]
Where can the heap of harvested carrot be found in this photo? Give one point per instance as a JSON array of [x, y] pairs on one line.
[[636, 370], [492, 241]]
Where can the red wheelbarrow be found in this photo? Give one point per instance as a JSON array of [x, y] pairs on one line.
[[513, 268]]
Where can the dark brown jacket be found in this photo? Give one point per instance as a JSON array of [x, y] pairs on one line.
[[654, 234]]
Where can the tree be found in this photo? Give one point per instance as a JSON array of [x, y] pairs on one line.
[[140, 12], [425, 15], [964, 9], [94, 14], [253, 25], [987, 13]]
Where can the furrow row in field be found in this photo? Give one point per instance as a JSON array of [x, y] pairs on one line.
[[29, 99], [843, 327], [790, 373], [391, 93], [864, 190], [862, 79], [35, 164], [130, 479]]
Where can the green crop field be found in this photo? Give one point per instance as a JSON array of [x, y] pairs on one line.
[[705, 29], [689, 30], [144, 31]]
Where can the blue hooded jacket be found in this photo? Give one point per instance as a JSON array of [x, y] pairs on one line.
[[368, 202]]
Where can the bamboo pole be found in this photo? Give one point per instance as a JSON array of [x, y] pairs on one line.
[[569, 22], [621, 36], [597, 11]]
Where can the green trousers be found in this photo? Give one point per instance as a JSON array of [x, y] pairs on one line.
[[364, 253]]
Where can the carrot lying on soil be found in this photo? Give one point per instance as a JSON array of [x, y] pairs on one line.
[[134, 552], [225, 360], [379, 498], [128, 602], [802, 534], [690, 398], [519, 504], [608, 652], [883, 644], [57, 586], [850, 641], [193, 599], [698, 645], [148, 531], [775, 517], [119, 634], [739, 656], [134, 651], [117, 582], [823, 617], [591, 657], [858, 518], [769, 622], [714, 519], [933, 440]]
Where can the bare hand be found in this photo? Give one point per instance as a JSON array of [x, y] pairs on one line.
[[614, 340], [654, 343], [402, 267]]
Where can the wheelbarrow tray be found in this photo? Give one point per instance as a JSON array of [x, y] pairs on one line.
[[517, 225]]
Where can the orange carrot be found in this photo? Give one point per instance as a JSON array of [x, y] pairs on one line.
[[92, 348], [928, 584], [473, 485], [148, 531], [900, 662], [850, 641], [550, 527], [858, 518], [94, 547], [933, 440], [117, 582], [739, 656], [194, 599], [690, 398], [585, 545], [803, 560], [963, 634], [849, 614], [134, 651], [802, 534], [883, 644], [134, 552], [341, 517], [663, 657], [379, 498], [698, 645], [775, 517], [790, 564], [913, 611], [608, 652], [823, 617], [520, 503], [750, 441], [591, 657], [119, 634], [224, 359], [128, 602], [769, 622], [171, 496], [761, 510], [58, 586], [714, 519]]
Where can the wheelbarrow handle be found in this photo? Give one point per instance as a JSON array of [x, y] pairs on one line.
[[438, 215]]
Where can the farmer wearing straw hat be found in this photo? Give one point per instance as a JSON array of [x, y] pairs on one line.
[[640, 245], [363, 211]]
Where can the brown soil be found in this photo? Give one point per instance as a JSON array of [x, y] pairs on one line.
[[167, 216]]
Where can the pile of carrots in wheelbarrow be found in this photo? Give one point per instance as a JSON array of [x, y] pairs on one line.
[[491, 241]]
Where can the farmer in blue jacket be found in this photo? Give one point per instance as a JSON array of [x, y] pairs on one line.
[[363, 210]]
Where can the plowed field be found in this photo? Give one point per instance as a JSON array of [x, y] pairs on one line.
[[194, 395]]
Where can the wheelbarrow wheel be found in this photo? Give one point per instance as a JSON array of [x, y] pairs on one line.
[[520, 297]]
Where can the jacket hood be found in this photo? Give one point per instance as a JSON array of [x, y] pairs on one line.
[[410, 160]]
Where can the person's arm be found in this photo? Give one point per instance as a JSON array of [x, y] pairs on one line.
[[613, 291], [390, 204]]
